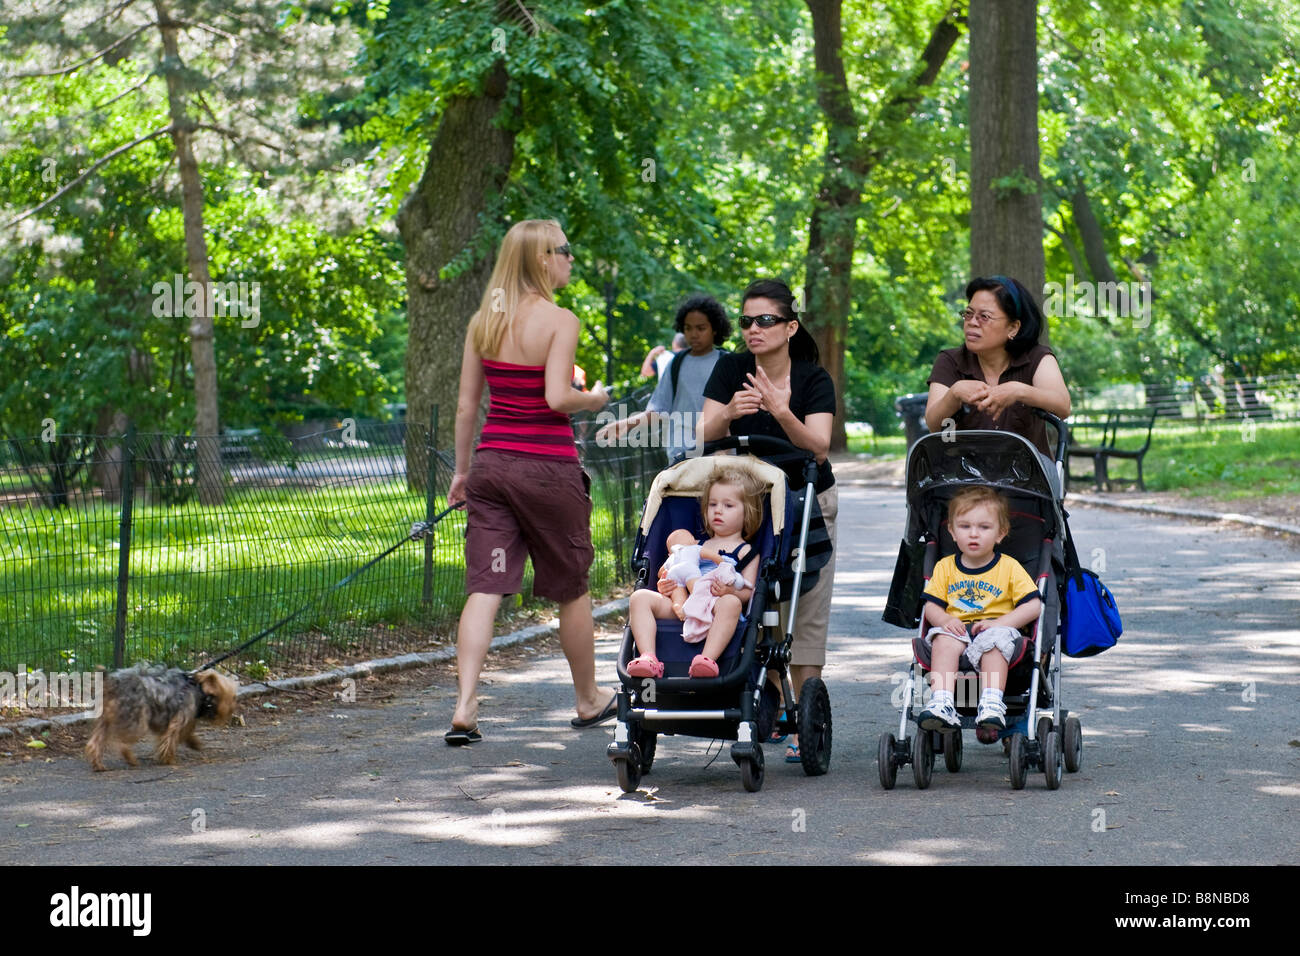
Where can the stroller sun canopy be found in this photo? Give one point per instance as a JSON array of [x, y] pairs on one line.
[[994, 459], [689, 478]]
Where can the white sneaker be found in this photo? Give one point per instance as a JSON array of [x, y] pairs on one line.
[[992, 714], [939, 715]]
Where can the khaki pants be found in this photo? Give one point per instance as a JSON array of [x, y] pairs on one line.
[[814, 615]]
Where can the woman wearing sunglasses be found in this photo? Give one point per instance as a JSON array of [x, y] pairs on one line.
[[1001, 372], [777, 387]]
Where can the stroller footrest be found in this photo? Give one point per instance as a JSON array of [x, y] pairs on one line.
[[639, 713]]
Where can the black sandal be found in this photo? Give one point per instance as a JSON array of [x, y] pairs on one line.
[[459, 738], [609, 713]]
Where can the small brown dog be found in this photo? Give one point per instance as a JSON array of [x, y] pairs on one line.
[[163, 701]]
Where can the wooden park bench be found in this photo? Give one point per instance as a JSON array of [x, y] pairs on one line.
[[1096, 435]]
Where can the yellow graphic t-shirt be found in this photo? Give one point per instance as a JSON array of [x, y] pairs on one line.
[[979, 593]]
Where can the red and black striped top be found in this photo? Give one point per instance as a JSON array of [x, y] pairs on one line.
[[519, 420]]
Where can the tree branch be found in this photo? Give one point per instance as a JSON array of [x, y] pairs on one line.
[[902, 104], [239, 138], [110, 102], [234, 40], [90, 59], [107, 14], [90, 169], [1069, 245]]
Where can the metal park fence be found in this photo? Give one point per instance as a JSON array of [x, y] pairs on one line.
[[115, 548]]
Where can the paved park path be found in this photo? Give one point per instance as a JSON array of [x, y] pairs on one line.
[[1192, 747]]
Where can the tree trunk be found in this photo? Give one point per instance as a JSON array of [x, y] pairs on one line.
[[1094, 250], [1006, 185], [832, 232], [202, 333], [469, 162]]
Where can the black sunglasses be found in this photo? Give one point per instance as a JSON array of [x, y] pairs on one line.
[[564, 250], [763, 321]]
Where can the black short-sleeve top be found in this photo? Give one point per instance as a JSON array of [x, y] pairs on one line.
[[961, 364], [811, 392]]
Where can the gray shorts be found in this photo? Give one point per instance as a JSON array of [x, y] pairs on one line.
[[1001, 638]]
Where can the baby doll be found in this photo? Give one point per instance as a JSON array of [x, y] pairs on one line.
[[683, 567]]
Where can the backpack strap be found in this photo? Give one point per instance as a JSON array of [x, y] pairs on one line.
[[675, 372]]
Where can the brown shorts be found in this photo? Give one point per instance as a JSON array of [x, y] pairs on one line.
[[521, 504]]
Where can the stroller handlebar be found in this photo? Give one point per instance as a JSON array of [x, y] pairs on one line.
[[1062, 433], [761, 445]]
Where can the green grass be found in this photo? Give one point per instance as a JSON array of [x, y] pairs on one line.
[[202, 579], [863, 441], [1222, 461]]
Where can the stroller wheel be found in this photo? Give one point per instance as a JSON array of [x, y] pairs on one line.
[[751, 770], [952, 751], [1043, 728], [814, 727], [1052, 760], [628, 769], [1019, 765], [885, 759], [922, 759], [1072, 744]]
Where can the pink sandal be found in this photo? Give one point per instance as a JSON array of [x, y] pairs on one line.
[[702, 667], [645, 666]]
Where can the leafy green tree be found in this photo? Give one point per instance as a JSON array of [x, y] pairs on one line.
[[179, 70]]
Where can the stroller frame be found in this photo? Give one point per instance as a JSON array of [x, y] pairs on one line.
[[1050, 742], [741, 703]]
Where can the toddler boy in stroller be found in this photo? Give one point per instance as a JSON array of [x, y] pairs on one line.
[[1040, 732], [976, 603]]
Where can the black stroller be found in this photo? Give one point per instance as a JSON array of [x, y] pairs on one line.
[[740, 704], [1040, 733]]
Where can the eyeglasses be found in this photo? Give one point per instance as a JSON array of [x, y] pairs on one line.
[[979, 318], [564, 250], [762, 321]]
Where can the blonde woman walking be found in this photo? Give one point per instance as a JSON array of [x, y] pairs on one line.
[[525, 491]]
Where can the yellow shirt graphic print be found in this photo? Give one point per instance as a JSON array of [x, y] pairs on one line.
[[974, 594]]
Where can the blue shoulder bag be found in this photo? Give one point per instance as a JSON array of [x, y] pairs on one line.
[[1090, 621]]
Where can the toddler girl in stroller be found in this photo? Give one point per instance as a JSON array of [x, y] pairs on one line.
[[732, 511]]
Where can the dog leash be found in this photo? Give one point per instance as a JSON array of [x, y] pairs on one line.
[[419, 529]]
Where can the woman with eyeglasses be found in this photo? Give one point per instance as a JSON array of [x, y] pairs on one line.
[[525, 493], [1001, 372], [777, 387]]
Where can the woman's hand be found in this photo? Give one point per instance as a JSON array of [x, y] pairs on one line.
[[775, 398], [745, 402], [999, 398], [598, 397], [614, 430], [969, 392], [456, 493], [666, 585]]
